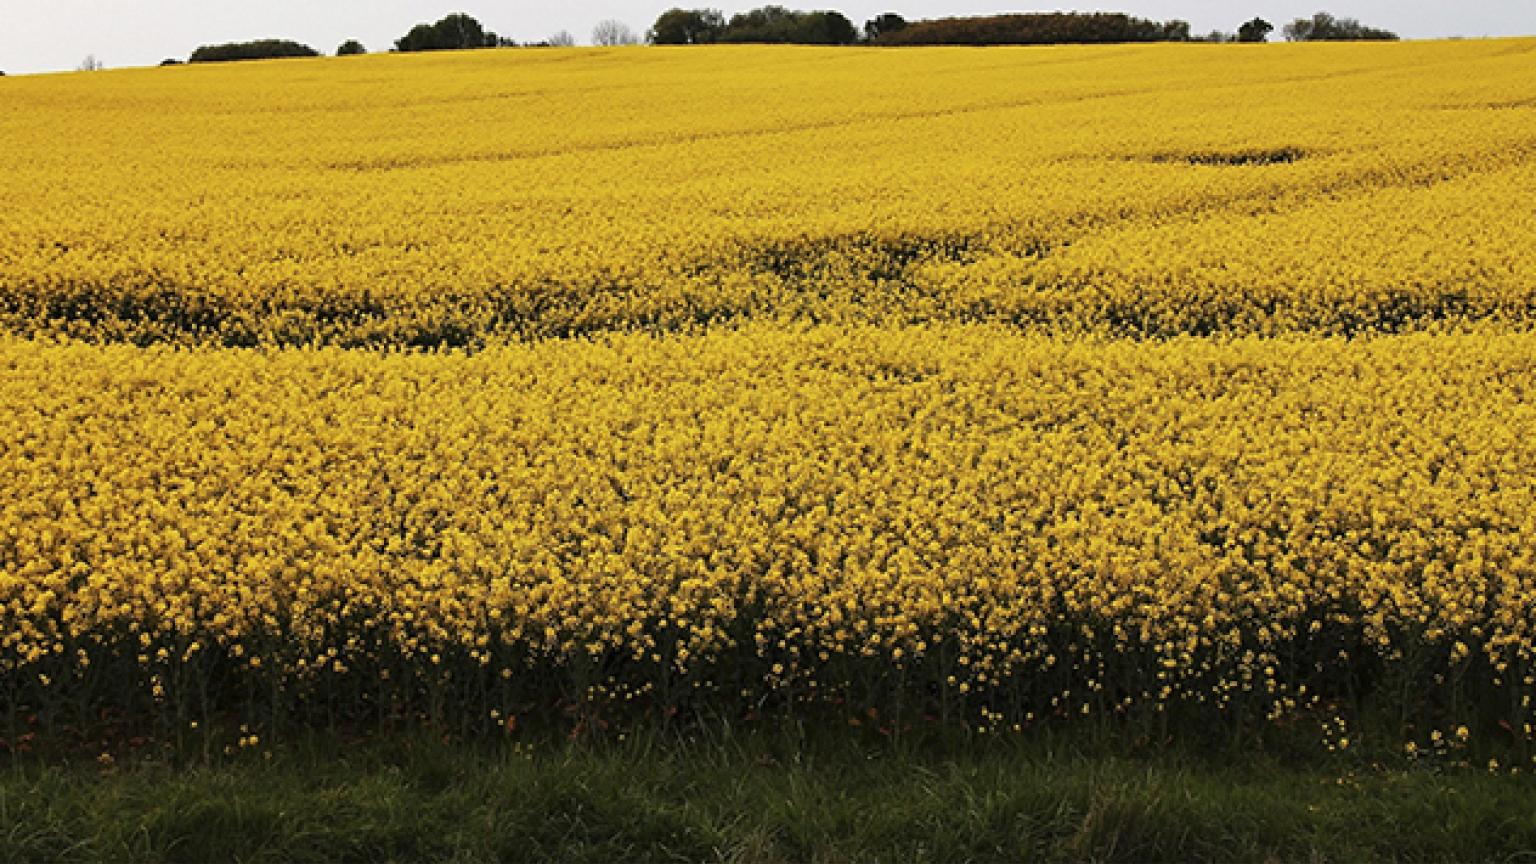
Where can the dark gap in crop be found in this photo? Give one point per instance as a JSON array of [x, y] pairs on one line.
[[1237, 158]]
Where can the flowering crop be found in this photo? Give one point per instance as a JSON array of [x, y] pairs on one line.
[[452, 199], [1187, 387], [1005, 522]]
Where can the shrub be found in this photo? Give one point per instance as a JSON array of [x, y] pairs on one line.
[[261, 49]]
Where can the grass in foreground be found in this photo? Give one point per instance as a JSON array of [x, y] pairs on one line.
[[758, 800]]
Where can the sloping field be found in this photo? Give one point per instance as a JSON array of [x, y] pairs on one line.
[[452, 199], [1179, 389]]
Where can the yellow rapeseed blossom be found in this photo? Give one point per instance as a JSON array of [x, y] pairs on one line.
[[1019, 519], [1122, 385], [452, 198]]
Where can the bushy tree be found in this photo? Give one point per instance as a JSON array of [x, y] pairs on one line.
[[453, 32], [764, 24], [560, 39], [1323, 27], [349, 48], [261, 49], [1175, 31], [611, 32], [777, 24], [1257, 30], [828, 27], [888, 22], [687, 27]]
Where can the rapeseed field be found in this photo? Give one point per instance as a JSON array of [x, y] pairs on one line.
[[1187, 391]]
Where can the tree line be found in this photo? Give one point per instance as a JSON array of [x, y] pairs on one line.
[[778, 24], [782, 25]]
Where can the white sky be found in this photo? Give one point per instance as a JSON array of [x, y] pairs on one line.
[[49, 35]]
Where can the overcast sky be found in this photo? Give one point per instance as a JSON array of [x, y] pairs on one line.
[[47, 35]]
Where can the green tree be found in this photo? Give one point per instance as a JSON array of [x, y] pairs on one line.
[[888, 22], [350, 47], [687, 27], [826, 27], [453, 32], [777, 24], [1175, 31], [764, 24], [1257, 30], [1323, 27]]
